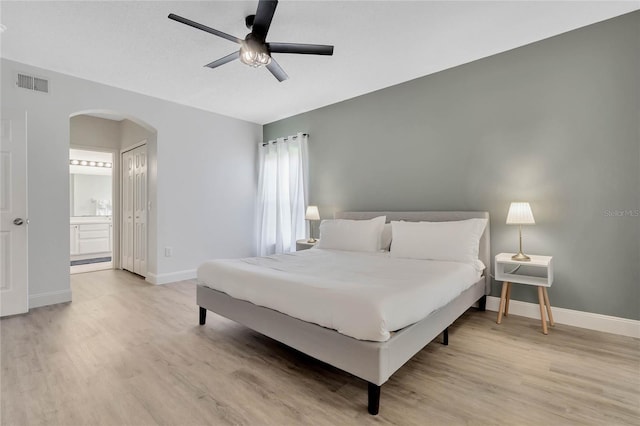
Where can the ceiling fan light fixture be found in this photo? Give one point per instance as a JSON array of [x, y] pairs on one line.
[[254, 54], [254, 49]]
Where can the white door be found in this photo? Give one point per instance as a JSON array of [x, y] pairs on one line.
[[140, 211], [126, 245], [134, 211], [14, 293]]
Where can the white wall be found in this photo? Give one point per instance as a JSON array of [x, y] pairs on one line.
[[95, 132], [202, 166], [132, 134]]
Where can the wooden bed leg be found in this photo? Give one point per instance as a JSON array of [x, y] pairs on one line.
[[503, 298], [482, 303], [374, 399], [445, 336], [203, 315]]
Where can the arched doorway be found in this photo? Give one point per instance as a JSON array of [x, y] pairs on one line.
[[117, 133]]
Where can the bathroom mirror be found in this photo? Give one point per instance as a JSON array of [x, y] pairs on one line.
[[91, 195]]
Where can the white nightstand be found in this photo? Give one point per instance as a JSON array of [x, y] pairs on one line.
[[304, 244], [504, 262]]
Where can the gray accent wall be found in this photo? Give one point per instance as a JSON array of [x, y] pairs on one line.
[[554, 123]]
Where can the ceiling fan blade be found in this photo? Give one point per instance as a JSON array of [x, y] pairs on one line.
[[204, 28], [264, 15], [277, 70], [304, 49], [230, 57]]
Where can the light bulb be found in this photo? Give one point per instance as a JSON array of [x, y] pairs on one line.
[[254, 53]]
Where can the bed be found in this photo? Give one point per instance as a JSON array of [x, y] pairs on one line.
[[374, 359]]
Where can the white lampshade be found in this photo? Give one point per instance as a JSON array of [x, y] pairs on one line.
[[520, 214], [312, 213]]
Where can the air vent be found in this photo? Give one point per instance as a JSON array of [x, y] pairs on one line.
[[30, 82], [40, 85]]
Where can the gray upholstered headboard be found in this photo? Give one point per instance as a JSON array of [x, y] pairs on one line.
[[485, 241]]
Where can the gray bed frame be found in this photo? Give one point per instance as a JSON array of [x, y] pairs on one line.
[[374, 362]]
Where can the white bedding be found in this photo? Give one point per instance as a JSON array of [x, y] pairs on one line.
[[362, 295]]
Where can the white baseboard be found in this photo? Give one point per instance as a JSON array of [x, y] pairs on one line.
[[90, 267], [598, 322], [49, 298], [171, 277]]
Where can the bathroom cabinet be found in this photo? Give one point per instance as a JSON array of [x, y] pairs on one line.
[[91, 237]]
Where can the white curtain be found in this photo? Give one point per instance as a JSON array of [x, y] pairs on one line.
[[282, 194]]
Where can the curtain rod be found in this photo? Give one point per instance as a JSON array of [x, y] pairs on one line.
[[286, 139]]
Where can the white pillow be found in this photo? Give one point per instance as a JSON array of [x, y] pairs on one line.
[[457, 241], [351, 235], [385, 237]]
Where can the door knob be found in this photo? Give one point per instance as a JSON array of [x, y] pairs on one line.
[[18, 221]]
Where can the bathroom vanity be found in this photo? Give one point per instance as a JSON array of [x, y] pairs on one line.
[[91, 235]]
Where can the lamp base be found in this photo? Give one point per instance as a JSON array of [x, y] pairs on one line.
[[311, 240], [521, 257]]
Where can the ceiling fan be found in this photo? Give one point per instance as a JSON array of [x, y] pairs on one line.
[[255, 51]]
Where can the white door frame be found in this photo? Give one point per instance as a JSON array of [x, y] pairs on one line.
[[14, 253], [115, 198]]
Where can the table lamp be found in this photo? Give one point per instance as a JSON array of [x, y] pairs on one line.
[[311, 215], [520, 214]]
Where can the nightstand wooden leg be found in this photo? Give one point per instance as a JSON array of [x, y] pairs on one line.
[[506, 305], [546, 302], [543, 316], [503, 296]]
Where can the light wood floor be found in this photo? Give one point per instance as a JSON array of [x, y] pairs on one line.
[[126, 352]]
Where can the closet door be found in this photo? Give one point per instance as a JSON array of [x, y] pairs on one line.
[[140, 211], [126, 245]]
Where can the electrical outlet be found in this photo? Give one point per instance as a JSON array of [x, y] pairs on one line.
[[168, 252]]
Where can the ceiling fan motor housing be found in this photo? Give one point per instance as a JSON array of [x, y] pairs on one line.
[[248, 20]]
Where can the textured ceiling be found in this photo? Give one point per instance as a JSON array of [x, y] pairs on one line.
[[132, 45]]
